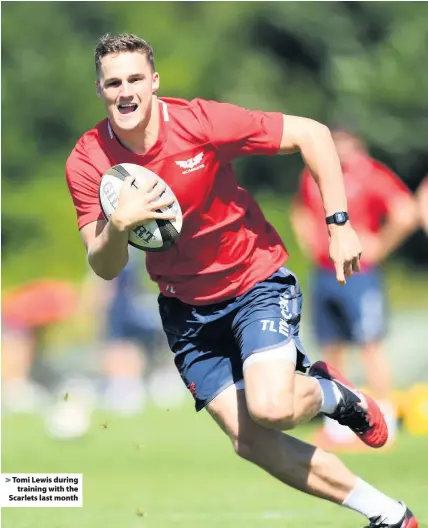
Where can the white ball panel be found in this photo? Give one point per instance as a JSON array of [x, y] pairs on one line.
[[147, 236]]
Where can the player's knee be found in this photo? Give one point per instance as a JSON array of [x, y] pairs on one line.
[[274, 413]]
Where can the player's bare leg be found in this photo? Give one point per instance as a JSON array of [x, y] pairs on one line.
[[293, 462], [279, 398], [302, 466]]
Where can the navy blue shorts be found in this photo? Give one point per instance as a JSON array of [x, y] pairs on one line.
[[354, 313], [211, 342]]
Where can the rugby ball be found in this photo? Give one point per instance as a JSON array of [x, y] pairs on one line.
[[153, 235]]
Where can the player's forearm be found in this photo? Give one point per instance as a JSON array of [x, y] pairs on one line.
[[318, 151], [108, 254]]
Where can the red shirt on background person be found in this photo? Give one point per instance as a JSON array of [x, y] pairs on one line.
[[374, 193]]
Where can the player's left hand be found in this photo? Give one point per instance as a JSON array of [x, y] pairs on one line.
[[345, 251]]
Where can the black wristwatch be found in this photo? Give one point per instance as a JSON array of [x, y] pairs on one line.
[[337, 218]]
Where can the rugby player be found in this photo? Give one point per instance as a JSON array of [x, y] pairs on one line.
[[230, 309]]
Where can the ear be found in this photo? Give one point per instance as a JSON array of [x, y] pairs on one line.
[[155, 82], [98, 88]]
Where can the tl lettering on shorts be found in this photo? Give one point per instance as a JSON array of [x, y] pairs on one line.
[[281, 327], [273, 326]]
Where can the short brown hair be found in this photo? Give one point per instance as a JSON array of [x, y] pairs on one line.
[[122, 42]]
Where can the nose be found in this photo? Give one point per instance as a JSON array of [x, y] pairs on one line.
[[126, 90]]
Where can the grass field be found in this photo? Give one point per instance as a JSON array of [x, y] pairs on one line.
[[176, 469]]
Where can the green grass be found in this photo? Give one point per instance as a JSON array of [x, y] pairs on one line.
[[179, 469]]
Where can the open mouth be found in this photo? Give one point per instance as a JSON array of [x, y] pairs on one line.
[[127, 108]]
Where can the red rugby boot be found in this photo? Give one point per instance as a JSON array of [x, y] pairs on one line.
[[356, 410]]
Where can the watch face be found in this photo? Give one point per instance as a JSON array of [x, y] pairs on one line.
[[340, 218]]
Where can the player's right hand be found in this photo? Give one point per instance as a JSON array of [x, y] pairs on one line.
[[137, 205], [345, 251]]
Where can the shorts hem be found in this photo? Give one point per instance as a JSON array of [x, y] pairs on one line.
[[271, 347]]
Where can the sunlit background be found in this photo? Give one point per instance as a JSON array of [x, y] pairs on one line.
[[76, 399]]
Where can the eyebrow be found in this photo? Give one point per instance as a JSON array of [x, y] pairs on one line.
[[113, 79]]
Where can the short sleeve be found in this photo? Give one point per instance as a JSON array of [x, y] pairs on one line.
[[83, 182], [236, 131]]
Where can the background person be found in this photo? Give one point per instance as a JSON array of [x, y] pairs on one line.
[[130, 331]]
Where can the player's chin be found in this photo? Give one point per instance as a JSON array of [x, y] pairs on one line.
[[127, 121]]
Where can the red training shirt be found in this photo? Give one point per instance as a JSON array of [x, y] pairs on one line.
[[371, 189], [226, 245]]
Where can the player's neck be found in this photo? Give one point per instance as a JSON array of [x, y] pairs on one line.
[[142, 139]]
